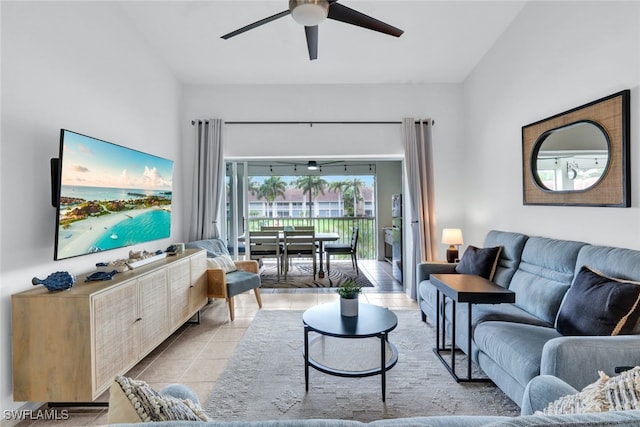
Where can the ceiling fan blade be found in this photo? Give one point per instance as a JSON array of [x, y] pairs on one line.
[[312, 41], [257, 24], [347, 15]]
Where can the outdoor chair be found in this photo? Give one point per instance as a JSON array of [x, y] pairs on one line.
[[266, 244], [299, 244], [344, 249]]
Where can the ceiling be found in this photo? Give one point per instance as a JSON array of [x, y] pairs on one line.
[[442, 42]]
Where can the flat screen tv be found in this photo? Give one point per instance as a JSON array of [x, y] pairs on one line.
[[108, 196]]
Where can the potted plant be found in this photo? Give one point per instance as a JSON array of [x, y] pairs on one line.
[[349, 292]]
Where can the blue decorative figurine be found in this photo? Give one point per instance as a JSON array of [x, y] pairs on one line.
[[58, 281]]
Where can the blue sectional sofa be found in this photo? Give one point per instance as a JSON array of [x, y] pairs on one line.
[[513, 343], [538, 393]]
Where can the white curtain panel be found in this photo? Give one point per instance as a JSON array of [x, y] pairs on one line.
[[208, 180], [418, 159]]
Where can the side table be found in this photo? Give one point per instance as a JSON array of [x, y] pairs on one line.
[[463, 288]]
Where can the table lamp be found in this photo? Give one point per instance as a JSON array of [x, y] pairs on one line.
[[453, 238]]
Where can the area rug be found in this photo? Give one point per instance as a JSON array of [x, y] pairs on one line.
[[264, 379], [300, 276]]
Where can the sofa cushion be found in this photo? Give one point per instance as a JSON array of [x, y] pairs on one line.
[[240, 281], [544, 275], [515, 347], [599, 305], [479, 261], [607, 419], [512, 246], [486, 313]]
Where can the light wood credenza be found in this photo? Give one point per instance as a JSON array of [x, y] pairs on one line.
[[69, 345]]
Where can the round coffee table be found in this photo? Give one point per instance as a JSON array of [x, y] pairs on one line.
[[334, 350]]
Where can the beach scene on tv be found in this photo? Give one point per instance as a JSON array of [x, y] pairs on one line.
[[110, 197]]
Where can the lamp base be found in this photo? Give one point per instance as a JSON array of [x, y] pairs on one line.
[[452, 254]]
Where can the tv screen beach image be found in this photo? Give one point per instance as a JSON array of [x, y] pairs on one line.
[[110, 196]]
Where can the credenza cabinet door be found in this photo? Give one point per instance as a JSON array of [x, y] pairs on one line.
[[116, 333], [198, 291], [153, 291], [179, 283]]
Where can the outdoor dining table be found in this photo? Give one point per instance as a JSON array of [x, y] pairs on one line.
[[320, 237]]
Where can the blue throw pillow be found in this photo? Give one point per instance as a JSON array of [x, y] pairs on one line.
[[599, 305], [481, 262]]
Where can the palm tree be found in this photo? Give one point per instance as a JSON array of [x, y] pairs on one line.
[[351, 189], [337, 187], [270, 189], [252, 186], [311, 185]]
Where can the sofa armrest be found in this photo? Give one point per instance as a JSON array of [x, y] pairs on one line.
[[577, 360], [250, 266], [424, 269], [541, 391], [216, 283]]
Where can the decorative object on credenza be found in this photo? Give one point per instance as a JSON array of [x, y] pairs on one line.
[[580, 157], [453, 238], [175, 249], [100, 275], [120, 265], [140, 258], [58, 281], [349, 292]]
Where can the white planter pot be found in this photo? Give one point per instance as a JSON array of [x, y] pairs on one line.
[[349, 306]]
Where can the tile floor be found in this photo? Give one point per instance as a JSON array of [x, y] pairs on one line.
[[196, 355]]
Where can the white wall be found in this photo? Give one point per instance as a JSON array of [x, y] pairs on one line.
[[59, 70], [442, 102], [555, 56]]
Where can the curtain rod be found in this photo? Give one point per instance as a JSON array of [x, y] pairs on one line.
[[311, 123]]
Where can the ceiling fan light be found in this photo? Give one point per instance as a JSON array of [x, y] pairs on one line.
[[309, 12]]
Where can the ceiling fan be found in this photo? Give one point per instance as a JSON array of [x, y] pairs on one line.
[[310, 13]]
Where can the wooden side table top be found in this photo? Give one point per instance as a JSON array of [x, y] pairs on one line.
[[471, 289]]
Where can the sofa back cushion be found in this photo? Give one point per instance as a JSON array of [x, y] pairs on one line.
[[512, 245], [621, 263], [544, 274]]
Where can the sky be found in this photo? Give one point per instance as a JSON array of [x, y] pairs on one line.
[[92, 162]]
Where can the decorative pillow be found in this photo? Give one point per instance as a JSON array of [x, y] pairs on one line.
[[132, 401], [599, 305], [607, 394], [481, 262], [223, 262]]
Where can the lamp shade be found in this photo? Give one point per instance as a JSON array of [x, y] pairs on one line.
[[452, 236]]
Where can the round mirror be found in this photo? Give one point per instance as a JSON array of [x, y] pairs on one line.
[[574, 157]]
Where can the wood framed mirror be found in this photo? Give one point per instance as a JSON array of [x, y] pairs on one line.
[[579, 157]]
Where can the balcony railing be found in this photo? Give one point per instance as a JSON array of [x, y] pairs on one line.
[[341, 225]]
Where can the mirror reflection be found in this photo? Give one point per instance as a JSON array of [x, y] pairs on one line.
[[571, 158]]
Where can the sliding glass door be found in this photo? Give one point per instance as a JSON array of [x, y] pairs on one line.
[[333, 197]]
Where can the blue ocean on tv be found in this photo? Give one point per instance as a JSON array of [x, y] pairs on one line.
[[152, 225], [116, 229]]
